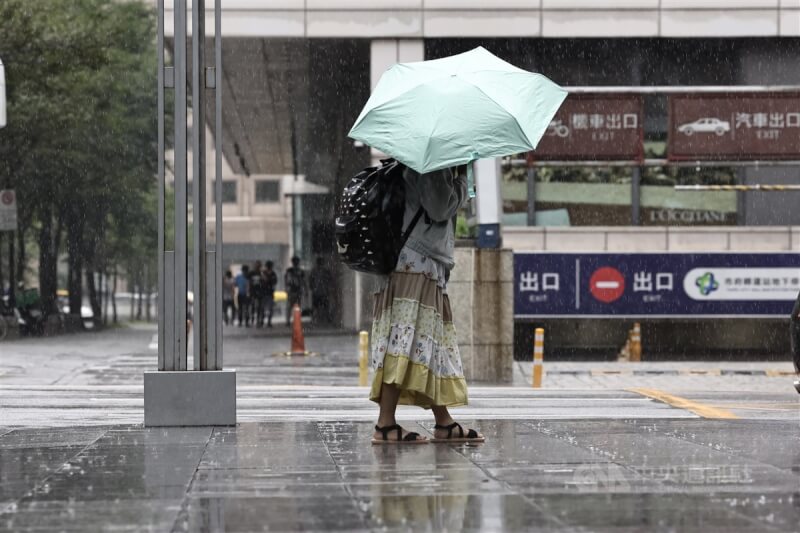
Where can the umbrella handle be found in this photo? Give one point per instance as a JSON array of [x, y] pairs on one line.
[[471, 179]]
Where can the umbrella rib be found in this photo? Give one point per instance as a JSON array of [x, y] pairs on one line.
[[501, 106]]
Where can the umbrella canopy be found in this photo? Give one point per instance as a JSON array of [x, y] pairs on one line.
[[436, 114]]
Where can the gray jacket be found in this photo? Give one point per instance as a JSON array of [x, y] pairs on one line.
[[440, 193]]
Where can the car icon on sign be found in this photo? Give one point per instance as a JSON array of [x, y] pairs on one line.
[[706, 125]]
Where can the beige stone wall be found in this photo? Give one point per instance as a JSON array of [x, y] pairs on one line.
[[652, 239], [481, 295]]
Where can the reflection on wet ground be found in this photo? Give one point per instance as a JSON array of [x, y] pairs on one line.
[[595, 475]]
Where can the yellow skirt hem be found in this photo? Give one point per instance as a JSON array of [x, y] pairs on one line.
[[418, 384]]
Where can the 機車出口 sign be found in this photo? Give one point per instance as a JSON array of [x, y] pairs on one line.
[[670, 285], [594, 127], [734, 126]]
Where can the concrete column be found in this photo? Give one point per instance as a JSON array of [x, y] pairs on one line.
[[481, 296], [383, 54], [489, 199], [386, 52]]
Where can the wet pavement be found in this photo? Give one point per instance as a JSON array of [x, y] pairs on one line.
[[603, 447], [559, 475]]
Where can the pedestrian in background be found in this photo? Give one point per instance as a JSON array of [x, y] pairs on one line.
[[228, 286], [414, 347], [295, 282], [257, 295], [320, 280], [270, 282], [243, 296]]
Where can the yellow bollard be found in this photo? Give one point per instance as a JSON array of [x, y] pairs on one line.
[[363, 358], [538, 357], [636, 343]]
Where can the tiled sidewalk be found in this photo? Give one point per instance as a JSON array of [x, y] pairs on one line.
[[556, 475]]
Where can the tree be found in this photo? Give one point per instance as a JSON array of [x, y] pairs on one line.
[[80, 143]]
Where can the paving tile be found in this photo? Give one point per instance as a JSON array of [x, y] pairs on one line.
[[99, 515], [511, 442], [253, 482], [423, 482], [455, 512], [642, 512], [302, 458], [329, 510], [158, 436], [55, 438], [22, 468]]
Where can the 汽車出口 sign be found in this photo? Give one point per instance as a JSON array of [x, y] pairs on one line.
[[734, 126], [591, 127], [673, 285]]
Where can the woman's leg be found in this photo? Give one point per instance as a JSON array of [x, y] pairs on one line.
[[442, 415], [388, 405]]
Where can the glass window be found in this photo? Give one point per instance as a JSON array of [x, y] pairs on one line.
[[568, 196], [268, 191], [228, 192], [662, 205]]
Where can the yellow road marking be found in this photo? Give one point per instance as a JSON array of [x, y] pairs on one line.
[[693, 372], [706, 411], [761, 406], [595, 372], [779, 373]]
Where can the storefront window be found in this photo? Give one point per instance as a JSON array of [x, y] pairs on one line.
[[662, 205], [568, 196]]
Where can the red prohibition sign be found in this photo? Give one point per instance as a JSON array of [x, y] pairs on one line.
[[607, 284], [7, 197]]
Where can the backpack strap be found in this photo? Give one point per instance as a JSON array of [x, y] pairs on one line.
[[407, 233]]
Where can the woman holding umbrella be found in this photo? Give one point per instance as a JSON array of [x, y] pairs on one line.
[[433, 116], [414, 349]]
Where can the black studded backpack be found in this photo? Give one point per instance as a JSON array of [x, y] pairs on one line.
[[369, 220]]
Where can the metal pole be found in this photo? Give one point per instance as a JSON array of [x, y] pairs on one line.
[[739, 188], [688, 89], [181, 210], [217, 355], [161, 229], [531, 195], [200, 326], [656, 163], [636, 200]]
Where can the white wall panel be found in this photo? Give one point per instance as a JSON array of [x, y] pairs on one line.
[[364, 24], [363, 4], [250, 24], [601, 4], [409, 51], [730, 23], [718, 4], [600, 24], [481, 23], [790, 22], [482, 4]]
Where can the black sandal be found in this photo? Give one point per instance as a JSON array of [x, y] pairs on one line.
[[410, 438], [471, 436]]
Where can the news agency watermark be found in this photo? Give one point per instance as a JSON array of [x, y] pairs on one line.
[[615, 478]]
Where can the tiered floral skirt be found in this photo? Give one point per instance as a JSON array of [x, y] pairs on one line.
[[413, 341]]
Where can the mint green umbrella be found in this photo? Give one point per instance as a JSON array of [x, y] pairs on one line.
[[436, 114]]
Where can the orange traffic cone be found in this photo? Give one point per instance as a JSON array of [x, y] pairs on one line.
[[298, 341]]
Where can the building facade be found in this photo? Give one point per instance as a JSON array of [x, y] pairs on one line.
[[297, 72]]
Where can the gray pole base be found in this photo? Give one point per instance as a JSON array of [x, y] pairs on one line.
[[190, 398]]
